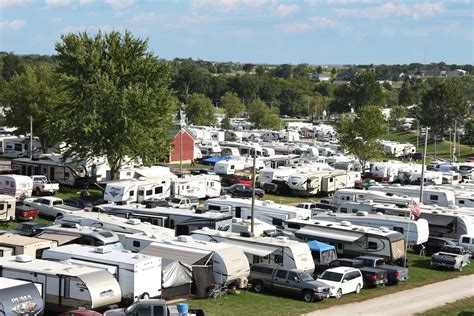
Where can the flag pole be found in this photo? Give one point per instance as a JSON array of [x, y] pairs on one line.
[[408, 233]]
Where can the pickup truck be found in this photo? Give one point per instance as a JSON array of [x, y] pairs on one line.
[[25, 213], [51, 206], [467, 242], [451, 257], [184, 202], [154, 307], [395, 274], [298, 282], [42, 185], [371, 276]]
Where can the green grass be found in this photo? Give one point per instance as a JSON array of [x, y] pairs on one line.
[[12, 225], [289, 199], [463, 307], [250, 303]]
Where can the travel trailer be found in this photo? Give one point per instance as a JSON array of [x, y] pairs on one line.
[[416, 232], [266, 211], [202, 186], [228, 167], [351, 240], [65, 286], [345, 195], [209, 150], [14, 146], [20, 298], [138, 275], [229, 263], [430, 177], [280, 251], [7, 208], [267, 175], [15, 185], [13, 245], [431, 195], [183, 221], [318, 182], [66, 233]]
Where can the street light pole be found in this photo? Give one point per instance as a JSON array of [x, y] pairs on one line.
[[254, 178], [422, 181], [31, 137]]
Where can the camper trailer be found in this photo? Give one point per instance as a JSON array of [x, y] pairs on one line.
[[351, 240], [139, 275], [14, 146], [72, 233], [19, 297], [65, 286], [280, 251], [228, 167], [345, 195], [432, 195], [229, 263], [201, 186], [318, 182], [15, 185], [7, 208], [13, 245]]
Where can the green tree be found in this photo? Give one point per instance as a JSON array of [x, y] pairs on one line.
[[333, 71], [225, 123], [283, 71], [468, 137], [319, 69], [36, 92], [120, 103], [262, 116], [247, 67], [441, 107], [365, 89], [406, 97], [232, 105], [199, 110], [11, 66], [397, 113], [260, 71], [301, 71], [359, 135]]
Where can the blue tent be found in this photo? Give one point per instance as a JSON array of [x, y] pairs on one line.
[[315, 245], [212, 160]]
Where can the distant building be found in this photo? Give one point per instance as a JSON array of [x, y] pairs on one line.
[[456, 73], [184, 152], [321, 77]]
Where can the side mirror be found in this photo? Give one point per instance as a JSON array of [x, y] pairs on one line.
[[344, 281], [296, 279]]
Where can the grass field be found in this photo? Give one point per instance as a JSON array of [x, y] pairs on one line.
[[463, 307], [289, 199], [250, 303]]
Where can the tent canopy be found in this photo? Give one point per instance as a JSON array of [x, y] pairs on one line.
[[212, 160], [315, 245]]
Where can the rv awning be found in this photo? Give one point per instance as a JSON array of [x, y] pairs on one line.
[[438, 220], [315, 245], [59, 238], [254, 249], [316, 233]]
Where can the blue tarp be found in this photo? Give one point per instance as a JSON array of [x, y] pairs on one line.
[[212, 160], [315, 245]]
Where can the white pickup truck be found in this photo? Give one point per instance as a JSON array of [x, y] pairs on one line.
[[184, 202], [42, 185], [51, 206]]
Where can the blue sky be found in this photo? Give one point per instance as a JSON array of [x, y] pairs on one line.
[[256, 31]]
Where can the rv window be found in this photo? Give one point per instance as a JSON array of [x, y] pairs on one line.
[[132, 192], [277, 222], [264, 270], [433, 197], [331, 180], [140, 192], [158, 190], [12, 184], [1, 207], [461, 201], [372, 245], [211, 207], [339, 246], [293, 225], [7, 182], [278, 259], [136, 243], [66, 175], [149, 192], [398, 229], [9, 206], [281, 274], [343, 210], [163, 182], [354, 210], [232, 167], [18, 147], [465, 240]]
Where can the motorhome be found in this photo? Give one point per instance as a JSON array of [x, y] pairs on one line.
[[12, 245], [201, 186], [351, 240], [65, 286], [431, 195], [229, 263], [280, 251], [345, 195], [7, 208], [139, 275], [183, 221], [15, 185], [20, 298], [266, 211], [416, 232]]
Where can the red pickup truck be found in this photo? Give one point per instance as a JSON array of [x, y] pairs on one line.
[[25, 213]]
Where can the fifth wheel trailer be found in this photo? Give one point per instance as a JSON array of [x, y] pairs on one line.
[[19, 297]]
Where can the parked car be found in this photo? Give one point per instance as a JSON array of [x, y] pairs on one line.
[[151, 307], [451, 257], [371, 276], [292, 281], [467, 242], [42, 185], [365, 184], [242, 190], [29, 229], [24, 212], [51, 206], [434, 245], [277, 187], [395, 274], [184, 202], [307, 206], [81, 312], [80, 203], [240, 178], [342, 280]]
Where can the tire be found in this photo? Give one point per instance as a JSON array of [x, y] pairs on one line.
[[339, 293], [59, 215], [37, 191], [258, 287], [358, 289], [308, 296]]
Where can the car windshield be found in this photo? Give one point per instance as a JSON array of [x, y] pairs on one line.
[[177, 201], [305, 276], [331, 276], [22, 227]]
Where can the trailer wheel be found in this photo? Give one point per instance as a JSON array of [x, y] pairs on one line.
[[145, 296], [258, 287]]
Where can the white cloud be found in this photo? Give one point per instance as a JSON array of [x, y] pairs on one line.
[[12, 25], [390, 9], [58, 3], [313, 23], [227, 5], [12, 3], [89, 29], [56, 20], [283, 10], [119, 4], [85, 2]]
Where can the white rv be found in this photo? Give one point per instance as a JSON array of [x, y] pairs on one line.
[[345, 195], [139, 275], [430, 177], [319, 182], [12, 245], [65, 286], [351, 240], [201, 186], [280, 251], [229, 263], [15, 185], [227, 167], [431, 195], [7, 208], [20, 298]]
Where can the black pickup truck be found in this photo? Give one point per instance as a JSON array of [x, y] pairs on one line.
[[371, 276], [395, 273]]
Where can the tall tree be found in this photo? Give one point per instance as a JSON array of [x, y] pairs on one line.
[[359, 135], [406, 97], [283, 71], [232, 105], [199, 110], [11, 66], [397, 113], [247, 67], [120, 103], [365, 89], [301, 71], [262, 116], [37, 93]]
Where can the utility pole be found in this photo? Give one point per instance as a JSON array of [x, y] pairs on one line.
[[180, 140], [31, 137], [422, 181], [254, 179]]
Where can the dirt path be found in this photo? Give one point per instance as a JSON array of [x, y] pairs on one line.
[[407, 302]]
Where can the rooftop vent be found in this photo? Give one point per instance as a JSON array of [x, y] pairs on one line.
[[346, 223], [185, 238], [23, 258], [103, 249], [133, 221]]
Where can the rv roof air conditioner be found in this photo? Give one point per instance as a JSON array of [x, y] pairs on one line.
[[23, 258], [133, 221], [346, 223], [70, 225], [185, 238], [103, 249], [283, 239]]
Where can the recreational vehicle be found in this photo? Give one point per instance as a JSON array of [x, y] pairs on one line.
[[351, 240], [280, 251], [65, 286], [15, 185], [72, 233], [229, 263], [345, 195], [318, 182], [266, 211], [12, 245], [201, 186], [227, 167], [7, 208], [139, 275], [20, 298], [431, 195]]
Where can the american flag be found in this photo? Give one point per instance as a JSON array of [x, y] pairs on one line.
[[415, 211]]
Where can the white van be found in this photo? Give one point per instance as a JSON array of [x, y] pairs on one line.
[[467, 242], [15, 185]]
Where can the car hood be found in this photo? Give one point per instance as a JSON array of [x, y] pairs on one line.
[[316, 283], [329, 283], [115, 312]]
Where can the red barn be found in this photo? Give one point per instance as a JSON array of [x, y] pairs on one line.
[[187, 148]]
